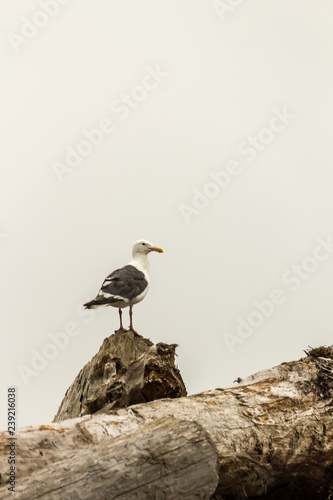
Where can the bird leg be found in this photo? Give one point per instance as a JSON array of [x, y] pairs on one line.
[[120, 317], [131, 322]]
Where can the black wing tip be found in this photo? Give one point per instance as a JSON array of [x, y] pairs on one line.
[[88, 305]]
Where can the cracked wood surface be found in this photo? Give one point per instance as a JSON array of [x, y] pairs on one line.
[[126, 370], [170, 459]]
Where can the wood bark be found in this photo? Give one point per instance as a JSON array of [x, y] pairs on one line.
[[273, 431]]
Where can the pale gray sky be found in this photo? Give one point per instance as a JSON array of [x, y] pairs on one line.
[[215, 124]]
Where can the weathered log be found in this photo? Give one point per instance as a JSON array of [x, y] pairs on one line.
[[273, 432], [126, 370], [170, 459]]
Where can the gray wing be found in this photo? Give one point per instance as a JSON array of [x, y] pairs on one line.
[[127, 282], [120, 286]]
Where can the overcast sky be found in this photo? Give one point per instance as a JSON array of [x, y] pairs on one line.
[[204, 127]]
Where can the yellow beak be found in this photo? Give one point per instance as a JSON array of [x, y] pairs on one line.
[[156, 249]]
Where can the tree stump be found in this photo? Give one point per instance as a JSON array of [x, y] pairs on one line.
[[127, 370]]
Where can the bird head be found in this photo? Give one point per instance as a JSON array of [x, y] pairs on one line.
[[144, 247]]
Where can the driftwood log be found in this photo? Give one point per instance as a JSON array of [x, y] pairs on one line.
[[273, 433], [147, 463]]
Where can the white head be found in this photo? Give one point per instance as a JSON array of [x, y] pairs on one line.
[[143, 247]]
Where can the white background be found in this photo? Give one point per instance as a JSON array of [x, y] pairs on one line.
[[227, 70]]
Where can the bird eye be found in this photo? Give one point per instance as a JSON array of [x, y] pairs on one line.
[[143, 243]]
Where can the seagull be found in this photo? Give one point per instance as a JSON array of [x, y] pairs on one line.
[[128, 285]]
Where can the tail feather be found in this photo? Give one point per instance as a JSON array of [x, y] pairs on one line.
[[93, 304], [102, 301]]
